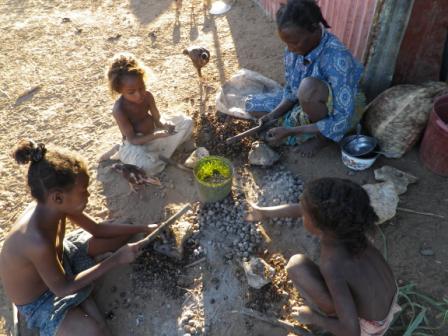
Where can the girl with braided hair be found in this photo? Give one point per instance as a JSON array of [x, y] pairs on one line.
[[321, 101], [352, 292], [47, 274]]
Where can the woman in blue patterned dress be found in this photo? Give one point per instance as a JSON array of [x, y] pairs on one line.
[[317, 104]]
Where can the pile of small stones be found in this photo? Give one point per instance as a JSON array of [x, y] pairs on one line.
[[277, 187], [238, 237]]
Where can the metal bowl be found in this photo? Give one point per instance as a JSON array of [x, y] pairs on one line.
[[358, 145], [355, 144]]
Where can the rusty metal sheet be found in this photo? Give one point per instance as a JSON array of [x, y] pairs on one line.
[[422, 50], [350, 20]]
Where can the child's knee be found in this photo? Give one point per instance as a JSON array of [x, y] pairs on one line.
[[313, 90], [96, 329], [297, 264]]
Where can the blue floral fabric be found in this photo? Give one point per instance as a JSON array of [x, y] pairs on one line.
[[47, 311], [330, 62]]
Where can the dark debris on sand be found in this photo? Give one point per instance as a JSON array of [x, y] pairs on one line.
[[275, 298], [212, 129]]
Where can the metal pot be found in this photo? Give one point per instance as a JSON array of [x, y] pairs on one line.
[[351, 145]]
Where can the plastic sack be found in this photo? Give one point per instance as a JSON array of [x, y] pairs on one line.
[[231, 98]]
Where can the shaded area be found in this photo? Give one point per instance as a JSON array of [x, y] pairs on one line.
[[147, 11], [257, 49]]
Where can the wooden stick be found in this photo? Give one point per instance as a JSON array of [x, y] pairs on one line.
[[250, 132], [420, 213], [263, 232], [163, 226], [274, 321], [15, 319], [197, 262]]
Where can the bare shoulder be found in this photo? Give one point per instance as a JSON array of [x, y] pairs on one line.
[[117, 109], [149, 97], [38, 243], [19, 246], [334, 263]]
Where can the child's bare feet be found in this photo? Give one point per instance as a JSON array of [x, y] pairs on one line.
[[109, 153], [312, 146]]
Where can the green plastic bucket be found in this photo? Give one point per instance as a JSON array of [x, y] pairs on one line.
[[213, 175]]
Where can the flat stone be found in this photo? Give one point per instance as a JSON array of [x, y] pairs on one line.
[[258, 272], [195, 156], [261, 154], [384, 200], [400, 179], [427, 252]]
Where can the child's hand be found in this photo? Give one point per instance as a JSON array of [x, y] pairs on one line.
[[265, 119], [171, 128], [254, 214], [126, 254], [151, 228], [277, 134], [161, 134], [168, 126]]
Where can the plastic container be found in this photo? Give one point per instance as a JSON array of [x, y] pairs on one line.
[[434, 146], [213, 177]]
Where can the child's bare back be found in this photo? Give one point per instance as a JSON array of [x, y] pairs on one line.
[[352, 291], [47, 274], [367, 275], [21, 280]]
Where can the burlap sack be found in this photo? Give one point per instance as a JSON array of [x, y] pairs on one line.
[[398, 116]]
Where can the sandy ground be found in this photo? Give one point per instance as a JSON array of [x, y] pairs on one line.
[[53, 90]]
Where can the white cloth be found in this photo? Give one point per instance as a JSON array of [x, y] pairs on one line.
[[147, 156]]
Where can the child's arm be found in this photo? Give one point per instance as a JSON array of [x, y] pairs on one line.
[[128, 131], [154, 110], [156, 114], [257, 213], [279, 133], [346, 323], [109, 230], [47, 264]]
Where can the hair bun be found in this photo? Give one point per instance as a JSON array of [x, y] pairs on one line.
[[28, 150], [39, 152]]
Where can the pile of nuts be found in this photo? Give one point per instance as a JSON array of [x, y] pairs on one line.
[[227, 216]]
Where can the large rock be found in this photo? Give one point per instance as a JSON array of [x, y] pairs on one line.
[[174, 245], [258, 272], [400, 179], [194, 157], [261, 154], [398, 116], [384, 200]]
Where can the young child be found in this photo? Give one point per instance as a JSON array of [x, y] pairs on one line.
[[352, 291], [48, 275], [145, 135]]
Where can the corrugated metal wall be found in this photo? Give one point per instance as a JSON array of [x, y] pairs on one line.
[[350, 20], [426, 39], [388, 31]]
